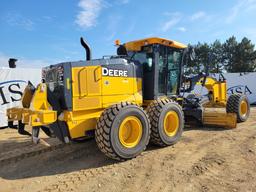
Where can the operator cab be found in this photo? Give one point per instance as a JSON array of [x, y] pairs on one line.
[[162, 62]]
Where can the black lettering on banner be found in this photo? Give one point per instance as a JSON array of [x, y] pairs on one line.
[[3, 96], [247, 90], [239, 90], [16, 92]]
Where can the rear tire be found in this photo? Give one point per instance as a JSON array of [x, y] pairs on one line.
[[167, 122], [238, 104], [122, 131]]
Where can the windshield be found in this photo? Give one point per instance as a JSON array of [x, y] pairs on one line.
[[144, 57]]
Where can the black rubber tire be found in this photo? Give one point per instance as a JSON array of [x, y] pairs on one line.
[[157, 111], [233, 105], [107, 129]]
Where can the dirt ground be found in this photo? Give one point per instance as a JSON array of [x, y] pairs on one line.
[[206, 159]]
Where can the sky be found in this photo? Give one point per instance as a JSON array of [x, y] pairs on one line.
[[44, 32]]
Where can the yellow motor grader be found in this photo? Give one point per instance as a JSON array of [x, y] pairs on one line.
[[125, 100]]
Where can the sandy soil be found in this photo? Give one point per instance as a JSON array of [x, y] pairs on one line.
[[206, 159]]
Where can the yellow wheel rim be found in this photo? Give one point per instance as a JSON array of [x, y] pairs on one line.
[[130, 132], [243, 108], [171, 123]]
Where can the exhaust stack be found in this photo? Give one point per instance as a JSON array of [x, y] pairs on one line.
[[87, 49]]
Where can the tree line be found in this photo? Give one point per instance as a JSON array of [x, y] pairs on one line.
[[231, 56]]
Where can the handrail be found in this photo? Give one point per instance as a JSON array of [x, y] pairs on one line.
[[79, 82]]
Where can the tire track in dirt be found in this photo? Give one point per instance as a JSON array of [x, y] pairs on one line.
[[132, 180], [18, 155]]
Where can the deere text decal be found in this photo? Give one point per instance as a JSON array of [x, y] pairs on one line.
[[114, 72]]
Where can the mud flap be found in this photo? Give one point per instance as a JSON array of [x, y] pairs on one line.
[[60, 130]]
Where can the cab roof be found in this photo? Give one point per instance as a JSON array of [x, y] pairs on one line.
[[136, 45]]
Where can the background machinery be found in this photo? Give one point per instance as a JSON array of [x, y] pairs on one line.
[[126, 100]]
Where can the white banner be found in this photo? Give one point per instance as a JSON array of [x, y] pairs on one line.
[[244, 83], [12, 84]]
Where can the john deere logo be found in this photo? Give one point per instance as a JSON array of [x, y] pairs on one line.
[[114, 72], [10, 91], [242, 89]]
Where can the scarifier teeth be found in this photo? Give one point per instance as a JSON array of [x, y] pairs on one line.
[[35, 140]]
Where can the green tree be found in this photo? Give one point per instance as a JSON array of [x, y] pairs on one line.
[[200, 60], [217, 58], [229, 52], [239, 57], [230, 56]]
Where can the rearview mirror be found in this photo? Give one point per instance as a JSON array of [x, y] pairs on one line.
[[192, 54]]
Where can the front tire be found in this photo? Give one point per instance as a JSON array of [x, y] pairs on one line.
[[167, 122], [238, 104], [122, 131]]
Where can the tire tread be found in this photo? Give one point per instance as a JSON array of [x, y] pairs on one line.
[[154, 111], [103, 129], [233, 105]]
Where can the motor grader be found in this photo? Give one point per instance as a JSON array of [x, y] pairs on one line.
[[126, 100]]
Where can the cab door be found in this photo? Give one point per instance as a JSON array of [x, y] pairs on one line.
[[169, 70]]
